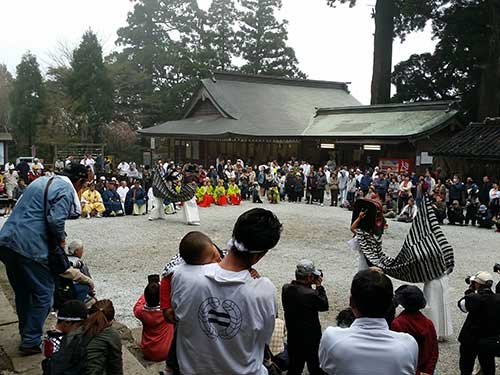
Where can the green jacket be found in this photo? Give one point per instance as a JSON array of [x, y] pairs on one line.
[[104, 354]]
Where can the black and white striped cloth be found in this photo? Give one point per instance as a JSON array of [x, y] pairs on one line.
[[163, 189], [426, 254]]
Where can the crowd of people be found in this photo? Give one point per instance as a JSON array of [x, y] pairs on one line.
[[210, 312]]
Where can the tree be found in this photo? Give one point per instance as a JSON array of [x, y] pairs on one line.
[[262, 40], [5, 90], [392, 18], [221, 35], [28, 101], [90, 87], [458, 67]]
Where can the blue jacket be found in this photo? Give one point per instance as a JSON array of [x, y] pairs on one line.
[[26, 231]]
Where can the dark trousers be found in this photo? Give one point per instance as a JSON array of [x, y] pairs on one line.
[[334, 194], [468, 354], [301, 353], [33, 286]]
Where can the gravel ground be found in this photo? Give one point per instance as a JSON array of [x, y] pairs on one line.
[[121, 252]]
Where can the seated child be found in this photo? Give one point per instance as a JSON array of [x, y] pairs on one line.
[[220, 194], [157, 334], [484, 218], [255, 191], [456, 214], [273, 194], [234, 193], [69, 319], [413, 322], [389, 207], [203, 198], [83, 291], [345, 318]]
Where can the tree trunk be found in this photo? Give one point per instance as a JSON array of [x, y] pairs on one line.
[[382, 51], [489, 95]]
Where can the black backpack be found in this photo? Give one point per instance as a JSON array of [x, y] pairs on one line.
[[70, 359]]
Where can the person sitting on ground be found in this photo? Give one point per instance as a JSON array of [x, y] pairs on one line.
[[111, 200], [496, 221], [59, 349], [220, 194], [157, 334], [413, 322], [255, 191], [92, 203], [234, 193], [439, 207], [235, 313], [135, 203], [389, 207], [203, 197], [83, 290], [409, 212], [103, 352], [368, 344], [122, 191], [484, 218], [273, 194], [456, 214]]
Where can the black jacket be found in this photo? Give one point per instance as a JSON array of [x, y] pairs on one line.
[[483, 316], [301, 304]]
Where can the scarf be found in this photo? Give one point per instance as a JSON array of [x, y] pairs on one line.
[[426, 254]]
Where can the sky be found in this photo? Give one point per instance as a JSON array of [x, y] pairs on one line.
[[330, 43]]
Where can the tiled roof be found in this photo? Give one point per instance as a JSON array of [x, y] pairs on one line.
[[391, 120], [258, 106], [476, 141]]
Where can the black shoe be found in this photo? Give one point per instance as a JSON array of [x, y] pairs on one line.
[[30, 350]]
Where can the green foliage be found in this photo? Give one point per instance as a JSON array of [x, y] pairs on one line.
[[453, 70], [90, 87], [263, 41], [5, 90], [28, 102]]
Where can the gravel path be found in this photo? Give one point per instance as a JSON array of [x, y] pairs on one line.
[[121, 252]]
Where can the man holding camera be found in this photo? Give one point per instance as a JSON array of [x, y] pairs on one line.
[[481, 328], [301, 303]]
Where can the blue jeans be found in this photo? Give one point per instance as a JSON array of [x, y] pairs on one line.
[[33, 286], [81, 291]]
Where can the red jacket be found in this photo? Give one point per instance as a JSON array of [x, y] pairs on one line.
[[157, 334], [423, 331]]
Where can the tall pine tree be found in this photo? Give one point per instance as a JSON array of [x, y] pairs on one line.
[[28, 102], [221, 35], [90, 87], [5, 90], [263, 41]]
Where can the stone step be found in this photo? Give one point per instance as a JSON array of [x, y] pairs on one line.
[[7, 313], [131, 366]]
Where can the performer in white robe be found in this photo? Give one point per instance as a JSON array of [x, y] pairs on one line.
[[191, 212], [438, 306]]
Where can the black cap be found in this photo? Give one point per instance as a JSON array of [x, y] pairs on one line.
[[410, 297], [72, 311], [75, 171]]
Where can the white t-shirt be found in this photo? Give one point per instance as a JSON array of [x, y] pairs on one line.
[[367, 347], [123, 168], [122, 192], [224, 320]]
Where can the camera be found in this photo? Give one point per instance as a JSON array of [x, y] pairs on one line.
[[496, 268], [467, 280], [321, 274], [153, 279]]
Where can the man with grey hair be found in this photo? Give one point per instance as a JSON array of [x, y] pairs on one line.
[[302, 303]]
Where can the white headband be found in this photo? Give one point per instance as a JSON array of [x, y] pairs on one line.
[[68, 319], [233, 243]]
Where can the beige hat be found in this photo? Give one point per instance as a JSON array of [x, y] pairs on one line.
[[482, 277]]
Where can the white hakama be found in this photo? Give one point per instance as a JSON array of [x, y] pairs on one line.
[[354, 245], [191, 213], [438, 305], [158, 211]]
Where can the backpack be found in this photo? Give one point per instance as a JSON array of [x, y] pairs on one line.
[[70, 359]]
